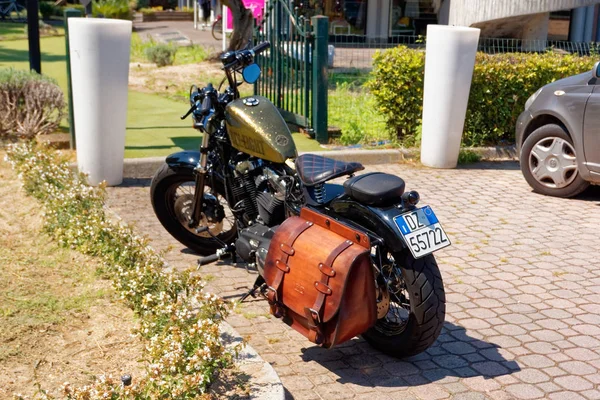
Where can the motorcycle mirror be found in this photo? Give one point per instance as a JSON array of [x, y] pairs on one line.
[[251, 73]]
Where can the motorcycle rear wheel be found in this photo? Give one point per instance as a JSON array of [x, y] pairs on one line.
[[417, 304], [172, 194]]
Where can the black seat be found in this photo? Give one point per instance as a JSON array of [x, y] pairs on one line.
[[313, 169], [375, 189]]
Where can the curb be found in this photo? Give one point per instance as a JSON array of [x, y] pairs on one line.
[[139, 168], [264, 382]]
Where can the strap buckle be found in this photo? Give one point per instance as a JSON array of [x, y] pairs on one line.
[[315, 315], [272, 289]]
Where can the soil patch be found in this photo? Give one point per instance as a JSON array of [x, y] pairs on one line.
[[59, 321], [174, 81]]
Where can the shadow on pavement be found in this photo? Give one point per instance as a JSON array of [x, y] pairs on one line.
[[183, 142], [136, 182], [499, 165], [288, 395], [590, 194], [140, 28], [455, 354]]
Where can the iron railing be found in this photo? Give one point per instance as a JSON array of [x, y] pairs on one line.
[[355, 52], [287, 77]]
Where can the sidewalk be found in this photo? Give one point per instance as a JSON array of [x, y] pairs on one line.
[[522, 280], [204, 38]]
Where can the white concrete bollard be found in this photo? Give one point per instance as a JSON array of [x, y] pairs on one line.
[[449, 62], [99, 50]]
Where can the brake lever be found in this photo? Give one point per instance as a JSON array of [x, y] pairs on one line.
[[191, 110]]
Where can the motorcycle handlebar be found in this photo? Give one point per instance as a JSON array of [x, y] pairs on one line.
[[259, 48], [243, 57]]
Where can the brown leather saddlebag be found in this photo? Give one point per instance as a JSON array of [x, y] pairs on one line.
[[320, 278]]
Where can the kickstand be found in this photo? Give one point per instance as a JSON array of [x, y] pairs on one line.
[[252, 292]]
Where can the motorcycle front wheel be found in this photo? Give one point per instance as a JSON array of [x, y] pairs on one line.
[[411, 303], [172, 194]]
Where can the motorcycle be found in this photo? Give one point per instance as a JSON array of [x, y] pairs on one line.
[[229, 198]]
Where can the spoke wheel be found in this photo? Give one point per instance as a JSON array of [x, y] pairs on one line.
[[549, 162], [410, 303], [172, 194], [392, 284], [215, 217], [217, 29]]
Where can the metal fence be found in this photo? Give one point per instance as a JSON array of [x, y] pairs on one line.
[[287, 78], [352, 107], [355, 52]]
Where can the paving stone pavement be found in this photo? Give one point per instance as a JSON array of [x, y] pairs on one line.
[[522, 280]]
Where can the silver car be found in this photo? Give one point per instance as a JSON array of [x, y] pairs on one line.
[[558, 135]]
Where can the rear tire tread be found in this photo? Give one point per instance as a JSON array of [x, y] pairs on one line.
[[428, 313]]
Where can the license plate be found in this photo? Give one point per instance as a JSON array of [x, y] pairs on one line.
[[422, 231]]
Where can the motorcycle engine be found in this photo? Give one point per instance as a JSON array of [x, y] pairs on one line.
[[253, 243], [262, 191]]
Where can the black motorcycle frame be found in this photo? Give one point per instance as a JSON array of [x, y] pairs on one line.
[[341, 207]]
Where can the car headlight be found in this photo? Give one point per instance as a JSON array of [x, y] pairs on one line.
[[532, 98]]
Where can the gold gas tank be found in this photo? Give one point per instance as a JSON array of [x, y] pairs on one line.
[[256, 127]]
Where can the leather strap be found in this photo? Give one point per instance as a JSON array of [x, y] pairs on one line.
[[314, 314], [285, 251]]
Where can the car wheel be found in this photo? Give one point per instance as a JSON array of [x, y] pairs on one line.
[[549, 163]]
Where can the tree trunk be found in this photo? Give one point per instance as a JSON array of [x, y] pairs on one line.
[[243, 24]]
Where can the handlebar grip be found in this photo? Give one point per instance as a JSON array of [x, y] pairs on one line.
[[259, 48], [207, 105]]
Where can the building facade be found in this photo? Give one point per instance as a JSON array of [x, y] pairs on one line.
[[379, 20]]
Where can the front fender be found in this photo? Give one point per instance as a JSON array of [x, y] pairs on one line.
[[187, 159], [378, 220]]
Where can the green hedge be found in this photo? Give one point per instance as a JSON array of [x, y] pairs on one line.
[[47, 9], [118, 9], [501, 85]]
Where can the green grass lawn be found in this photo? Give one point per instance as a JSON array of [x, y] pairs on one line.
[[16, 30], [10, 30], [153, 124]]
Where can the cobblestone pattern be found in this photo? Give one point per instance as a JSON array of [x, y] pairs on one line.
[[523, 298]]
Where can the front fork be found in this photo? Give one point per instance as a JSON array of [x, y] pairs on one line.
[[200, 171]]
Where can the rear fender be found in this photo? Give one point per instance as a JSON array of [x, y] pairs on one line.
[[378, 220]]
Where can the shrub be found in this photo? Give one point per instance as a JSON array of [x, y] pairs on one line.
[[59, 11], [117, 9], [500, 87], [47, 9], [147, 11], [352, 108], [161, 54], [30, 104], [191, 54], [397, 85], [179, 321]]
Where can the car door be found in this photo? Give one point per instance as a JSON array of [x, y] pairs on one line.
[[591, 130]]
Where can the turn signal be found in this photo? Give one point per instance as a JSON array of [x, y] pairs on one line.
[[411, 198]]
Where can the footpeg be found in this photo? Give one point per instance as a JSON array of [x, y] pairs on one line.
[[221, 254]]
